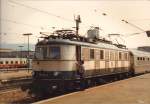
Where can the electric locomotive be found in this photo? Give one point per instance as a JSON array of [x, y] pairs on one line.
[[56, 58]]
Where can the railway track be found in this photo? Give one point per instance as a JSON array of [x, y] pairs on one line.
[[17, 96], [14, 83], [34, 99], [14, 69], [10, 90]]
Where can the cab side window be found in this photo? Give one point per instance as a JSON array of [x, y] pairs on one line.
[[45, 52]]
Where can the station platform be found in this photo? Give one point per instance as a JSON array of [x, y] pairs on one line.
[[14, 74], [134, 90]]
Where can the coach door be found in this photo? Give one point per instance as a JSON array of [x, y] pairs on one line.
[[131, 63]]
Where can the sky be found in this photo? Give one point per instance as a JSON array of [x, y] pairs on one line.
[[33, 16]]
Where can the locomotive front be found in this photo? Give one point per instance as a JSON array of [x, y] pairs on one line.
[[54, 65]]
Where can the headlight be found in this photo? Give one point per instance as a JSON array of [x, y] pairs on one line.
[[56, 73], [33, 73]]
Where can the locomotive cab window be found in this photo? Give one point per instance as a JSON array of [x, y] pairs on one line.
[[54, 52], [45, 52]]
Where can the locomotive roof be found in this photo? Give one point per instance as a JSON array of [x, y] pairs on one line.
[[139, 53], [70, 42]]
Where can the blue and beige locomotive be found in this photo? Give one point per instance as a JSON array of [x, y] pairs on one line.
[[56, 58]]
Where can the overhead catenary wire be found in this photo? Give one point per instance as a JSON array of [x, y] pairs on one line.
[[39, 10], [139, 20], [21, 23], [133, 34], [45, 12], [131, 24], [125, 35], [30, 25]]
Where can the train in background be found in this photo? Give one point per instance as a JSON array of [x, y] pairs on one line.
[[10, 63], [56, 57], [140, 61]]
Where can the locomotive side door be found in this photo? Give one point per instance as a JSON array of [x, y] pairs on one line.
[[78, 53]]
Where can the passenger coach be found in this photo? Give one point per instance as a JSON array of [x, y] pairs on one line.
[[140, 62], [10, 63]]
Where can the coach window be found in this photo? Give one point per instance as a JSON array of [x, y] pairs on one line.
[[11, 62], [143, 59], [101, 54], [16, 62], [138, 58], [91, 53], [54, 52], [6, 62], [1, 62]]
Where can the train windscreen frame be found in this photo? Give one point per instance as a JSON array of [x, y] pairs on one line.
[[47, 52]]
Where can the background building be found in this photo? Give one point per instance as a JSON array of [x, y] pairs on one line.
[[9, 53]]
